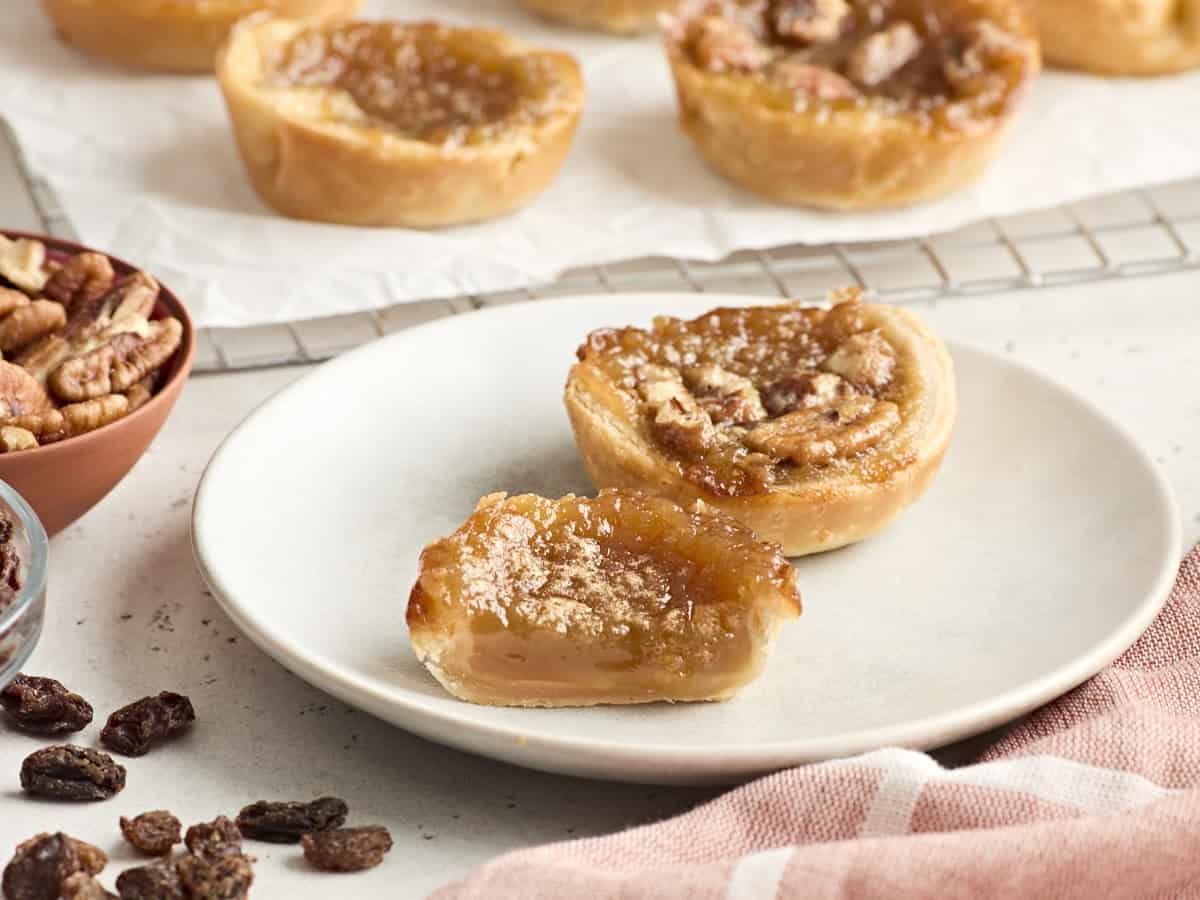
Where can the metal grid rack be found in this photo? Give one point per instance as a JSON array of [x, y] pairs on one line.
[[1137, 233]]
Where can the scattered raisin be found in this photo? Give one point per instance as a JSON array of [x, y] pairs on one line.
[[41, 864], [68, 772], [226, 878], [82, 886], [44, 706], [215, 839], [135, 728], [158, 881], [286, 823], [153, 833], [347, 849]]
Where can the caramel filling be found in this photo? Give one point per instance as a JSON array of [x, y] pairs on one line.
[[743, 398], [898, 55], [623, 594], [426, 82]]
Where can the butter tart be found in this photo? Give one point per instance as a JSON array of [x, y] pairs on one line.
[[625, 598], [616, 16], [850, 104], [813, 427], [383, 123], [1120, 37], [170, 35]]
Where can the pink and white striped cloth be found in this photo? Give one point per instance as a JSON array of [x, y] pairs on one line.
[[1096, 795]]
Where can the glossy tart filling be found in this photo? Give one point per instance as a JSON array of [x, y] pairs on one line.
[[897, 56], [743, 399], [424, 82], [621, 598]]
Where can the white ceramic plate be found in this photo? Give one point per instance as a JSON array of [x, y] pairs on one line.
[[1044, 548]]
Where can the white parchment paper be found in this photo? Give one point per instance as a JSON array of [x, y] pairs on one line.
[[146, 169]]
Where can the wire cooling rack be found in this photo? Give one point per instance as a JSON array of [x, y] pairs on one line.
[[1136, 233]]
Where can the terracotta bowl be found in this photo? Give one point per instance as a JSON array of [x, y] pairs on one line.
[[63, 481]]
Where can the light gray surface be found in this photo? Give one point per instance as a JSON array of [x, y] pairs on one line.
[[1131, 347]]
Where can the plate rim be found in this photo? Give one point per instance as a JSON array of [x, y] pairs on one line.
[[710, 761]]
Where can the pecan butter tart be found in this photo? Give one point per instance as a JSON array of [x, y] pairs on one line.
[[850, 104], [383, 123], [616, 16], [625, 598], [813, 427], [1120, 37], [170, 35]]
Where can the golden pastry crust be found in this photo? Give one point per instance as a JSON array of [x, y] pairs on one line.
[[624, 598], [1120, 37], [170, 35], [313, 152], [802, 128], [817, 500], [615, 16]]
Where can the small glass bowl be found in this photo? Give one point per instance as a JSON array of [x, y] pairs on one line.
[[21, 622]]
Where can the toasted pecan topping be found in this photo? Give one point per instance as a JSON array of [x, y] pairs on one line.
[[822, 434]]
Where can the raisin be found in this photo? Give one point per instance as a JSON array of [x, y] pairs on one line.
[[67, 772], [41, 864], [227, 878], [82, 886], [286, 823], [158, 881], [135, 728], [347, 849], [215, 839], [44, 706], [153, 833]]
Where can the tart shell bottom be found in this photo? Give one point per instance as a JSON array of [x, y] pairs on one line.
[[615, 16], [844, 161], [802, 519], [1119, 38], [172, 37]]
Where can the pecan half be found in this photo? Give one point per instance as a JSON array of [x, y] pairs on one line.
[[720, 45], [808, 21], [847, 317], [11, 299], [125, 360], [54, 425], [13, 439], [866, 360], [129, 302], [880, 56], [728, 398], [676, 418], [815, 81], [823, 434], [23, 263], [20, 392], [29, 322], [81, 281], [804, 390], [139, 395]]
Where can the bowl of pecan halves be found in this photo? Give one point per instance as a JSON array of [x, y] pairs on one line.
[[95, 353]]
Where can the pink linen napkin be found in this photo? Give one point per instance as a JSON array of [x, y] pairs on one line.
[[1095, 795]]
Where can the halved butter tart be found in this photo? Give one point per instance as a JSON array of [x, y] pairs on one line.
[[391, 124], [813, 427], [850, 104], [625, 598]]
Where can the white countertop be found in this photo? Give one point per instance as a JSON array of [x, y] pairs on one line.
[[129, 615]]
